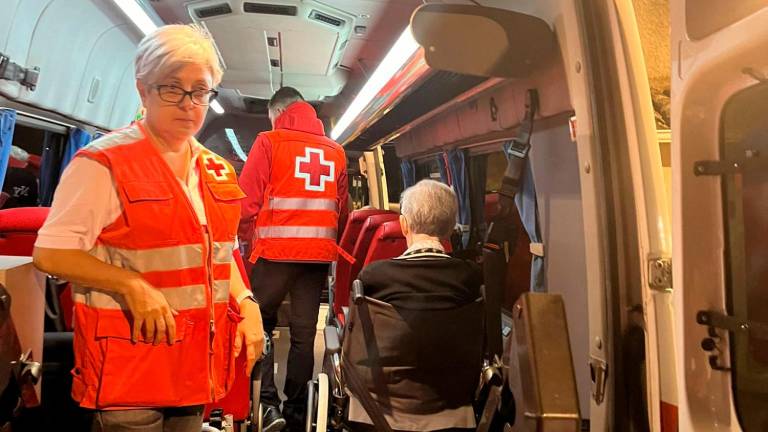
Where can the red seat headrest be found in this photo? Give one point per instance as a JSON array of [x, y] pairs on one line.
[[23, 219], [390, 230]]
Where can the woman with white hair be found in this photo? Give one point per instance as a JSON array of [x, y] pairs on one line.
[[143, 224], [424, 279]]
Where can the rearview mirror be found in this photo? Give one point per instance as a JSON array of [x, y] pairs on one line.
[[482, 41]]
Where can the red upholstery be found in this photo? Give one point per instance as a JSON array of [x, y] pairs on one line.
[[18, 229], [237, 401], [346, 272], [388, 242], [355, 225]]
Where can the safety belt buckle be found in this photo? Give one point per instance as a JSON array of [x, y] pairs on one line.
[[518, 149]]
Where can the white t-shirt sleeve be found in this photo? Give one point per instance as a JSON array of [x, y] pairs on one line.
[[84, 204]]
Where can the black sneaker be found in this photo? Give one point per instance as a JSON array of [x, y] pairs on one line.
[[271, 419]]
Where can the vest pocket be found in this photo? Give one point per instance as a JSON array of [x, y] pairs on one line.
[[225, 364], [227, 197], [147, 375]]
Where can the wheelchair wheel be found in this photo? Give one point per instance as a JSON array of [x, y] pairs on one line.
[[317, 404]]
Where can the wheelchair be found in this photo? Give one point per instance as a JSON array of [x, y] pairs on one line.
[[378, 340]]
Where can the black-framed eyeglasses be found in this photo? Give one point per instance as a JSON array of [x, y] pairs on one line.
[[173, 94]]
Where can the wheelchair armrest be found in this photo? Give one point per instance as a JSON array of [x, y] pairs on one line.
[[332, 341]]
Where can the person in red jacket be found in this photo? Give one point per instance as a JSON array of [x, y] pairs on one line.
[[296, 206]]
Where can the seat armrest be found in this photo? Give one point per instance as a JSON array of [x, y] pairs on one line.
[[332, 341]]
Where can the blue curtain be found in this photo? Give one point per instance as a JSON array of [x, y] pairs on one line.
[[408, 169], [529, 215], [77, 139], [457, 163], [7, 125]]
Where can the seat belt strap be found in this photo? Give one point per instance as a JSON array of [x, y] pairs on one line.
[[370, 406], [519, 148]]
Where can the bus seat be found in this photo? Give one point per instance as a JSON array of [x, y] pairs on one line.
[[18, 229], [388, 242], [355, 224], [346, 272]]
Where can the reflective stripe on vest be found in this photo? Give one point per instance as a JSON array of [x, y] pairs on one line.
[[181, 298], [309, 232], [152, 260], [222, 252], [278, 203]]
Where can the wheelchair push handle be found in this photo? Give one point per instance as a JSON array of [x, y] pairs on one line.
[[357, 292]]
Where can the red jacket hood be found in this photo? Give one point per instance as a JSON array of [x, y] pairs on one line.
[[300, 116]]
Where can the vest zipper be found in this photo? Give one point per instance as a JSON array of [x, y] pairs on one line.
[[212, 331]]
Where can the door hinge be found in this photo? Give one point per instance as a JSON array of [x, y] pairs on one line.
[[14, 72], [750, 161], [660, 273]]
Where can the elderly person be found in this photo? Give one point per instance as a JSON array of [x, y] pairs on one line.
[[423, 279], [427, 215], [143, 224]]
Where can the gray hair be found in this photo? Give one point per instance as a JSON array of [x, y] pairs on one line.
[[168, 48], [430, 208]]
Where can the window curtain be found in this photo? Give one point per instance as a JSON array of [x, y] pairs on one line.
[[529, 215], [408, 169], [7, 126], [50, 167], [457, 167], [478, 172], [442, 165], [77, 139]]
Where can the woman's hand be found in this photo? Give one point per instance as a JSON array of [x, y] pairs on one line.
[[150, 309], [251, 330]]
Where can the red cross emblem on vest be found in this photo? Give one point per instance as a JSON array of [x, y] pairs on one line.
[[215, 168], [314, 169]]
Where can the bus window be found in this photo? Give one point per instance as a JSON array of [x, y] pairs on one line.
[[745, 136], [394, 174]]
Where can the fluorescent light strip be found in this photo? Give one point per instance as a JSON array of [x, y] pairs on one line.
[[400, 52], [235, 144], [137, 14], [216, 107]]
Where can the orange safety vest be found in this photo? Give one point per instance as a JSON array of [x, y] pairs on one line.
[[299, 217], [159, 236]]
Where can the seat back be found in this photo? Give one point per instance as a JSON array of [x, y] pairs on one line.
[[355, 224], [404, 356], [18, 229], [346, 272], [388, 242]]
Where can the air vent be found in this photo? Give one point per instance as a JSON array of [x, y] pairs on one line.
[[212, 11], [325, 18], [270, 9]]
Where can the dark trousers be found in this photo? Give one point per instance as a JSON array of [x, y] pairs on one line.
[[271, 281], [185, 419]]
